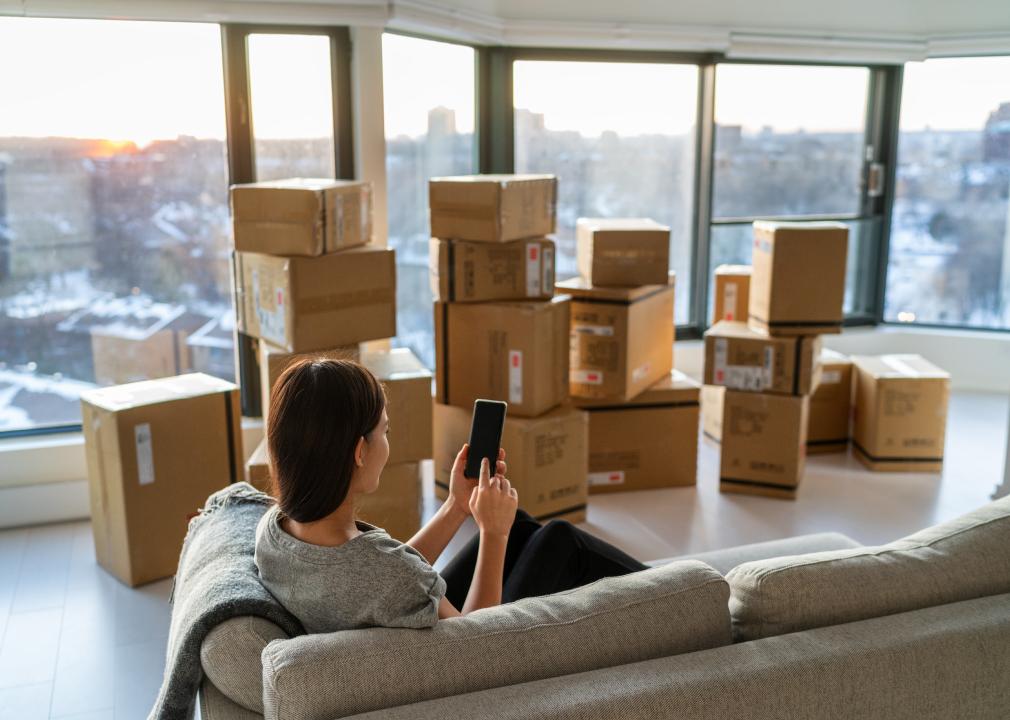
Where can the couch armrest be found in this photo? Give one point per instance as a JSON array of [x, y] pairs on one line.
[[726, 559], [215, 706]]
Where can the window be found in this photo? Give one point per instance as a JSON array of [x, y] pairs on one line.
[[113, 210], [429, 109], [950, 226], [291, 94], [621, 139]]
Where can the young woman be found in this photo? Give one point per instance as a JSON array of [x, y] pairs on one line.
[[326, 436]]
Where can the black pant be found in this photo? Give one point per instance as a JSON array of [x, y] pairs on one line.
[[540, 560]]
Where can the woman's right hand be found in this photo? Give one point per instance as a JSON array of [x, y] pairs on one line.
[[493, 502]]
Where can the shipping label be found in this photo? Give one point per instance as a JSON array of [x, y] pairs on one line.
[[516, 376], [614, 477], [534, 261], [831, 377], [729, 301], [270, 308], [547, 268], [145, 453]]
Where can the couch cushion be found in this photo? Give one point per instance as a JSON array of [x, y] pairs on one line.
[[230, 656], [959, 560], [215, 706], [726, 559], [673, 609]]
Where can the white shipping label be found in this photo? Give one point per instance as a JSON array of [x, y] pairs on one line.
[[516, 376], [742, 377], [601, 330], [548, 270], [831, 377], [719, 361], [615, 477], [533, 269], [270, 319], [587, 377], [145, 453], [745, 377], [729, 301]]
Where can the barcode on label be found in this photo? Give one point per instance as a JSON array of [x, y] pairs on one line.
[[547, 283], [533, 269], [614, 477]]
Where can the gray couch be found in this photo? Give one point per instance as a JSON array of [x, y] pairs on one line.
[[809, 627]]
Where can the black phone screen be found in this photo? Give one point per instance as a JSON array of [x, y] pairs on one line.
[[485, 436]]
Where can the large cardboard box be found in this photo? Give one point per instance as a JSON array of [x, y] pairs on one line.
[[732, 293], [831, 405], [303, 304], [546, 458], [621, 338], [764, 438], [511, 351], [121, 359], [273, 361], [900, 413], [741, 358], [798, 277], [155, 450], [257, 468], [480, 272], [622, 252], [492, 208], [396, 505], [408, 402], [645, 443], [712, 402], [301, 216]]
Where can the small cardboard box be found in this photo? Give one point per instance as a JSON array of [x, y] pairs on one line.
[[711, 411], [764, 439], [546, 458], [831, 405], [798, 277], [396, 505], [622, 252], [621, 338], [303, 304], [741, 358], [155, 450], [511, 351], [301, 216], [645, 443], [273, 361], [732, 292], [257, 468], [900, 413], [492, 208], [408, 402], [480, 272]]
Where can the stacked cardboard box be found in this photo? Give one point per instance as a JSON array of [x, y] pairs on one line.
[[502, 334], [769, 367], [828, 428], [309, 282]]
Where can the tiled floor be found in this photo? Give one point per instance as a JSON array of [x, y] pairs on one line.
[[75, 643]]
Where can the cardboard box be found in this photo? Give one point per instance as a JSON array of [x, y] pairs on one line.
[[645, 443], [764, 439], [621, 338], [257, 468], [798, 277], [155, 450], [732, 293], [492, 208], [512, 351], [396, 505], [622, 252], [741, 358], [121, 359], [831, 405], [480, 272], [408, 402], [301, 216], [900, 413], [546, 458], [303, 304], [711, 411], [273, 361]]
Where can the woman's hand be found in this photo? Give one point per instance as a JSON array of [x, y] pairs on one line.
[[493, 503], [461, 488]]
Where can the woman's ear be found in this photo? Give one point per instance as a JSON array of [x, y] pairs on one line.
[[359, 452]]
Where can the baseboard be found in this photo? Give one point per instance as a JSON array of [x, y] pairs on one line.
[[44, 503]]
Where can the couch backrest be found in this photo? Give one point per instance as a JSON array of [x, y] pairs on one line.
[[677, 608], [966, 558]]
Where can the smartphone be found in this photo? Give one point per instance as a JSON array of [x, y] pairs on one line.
[[485, 436]]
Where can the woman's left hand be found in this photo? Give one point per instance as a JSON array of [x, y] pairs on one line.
[[461, 488]]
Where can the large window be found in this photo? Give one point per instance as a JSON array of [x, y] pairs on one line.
[[950, 227], [621, 139], [429, 99], [113, 210]]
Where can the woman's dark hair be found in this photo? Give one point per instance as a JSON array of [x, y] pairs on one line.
[[319, 408]]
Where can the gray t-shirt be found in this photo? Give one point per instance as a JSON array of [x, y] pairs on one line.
[[371, 580]]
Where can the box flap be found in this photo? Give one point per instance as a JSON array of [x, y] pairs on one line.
[[621, 224], [674, 389], [580, 289], [395, 364], [899, 366], [741, 270], [149, 392]]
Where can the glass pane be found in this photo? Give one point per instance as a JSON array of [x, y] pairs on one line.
[[291, 93], [789, 140], [620, 137], [429, 107], [950, 229], [114, 225]]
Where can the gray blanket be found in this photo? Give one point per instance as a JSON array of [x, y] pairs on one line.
[[216, 580]]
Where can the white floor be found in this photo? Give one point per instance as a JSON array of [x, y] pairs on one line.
[[75, 643]]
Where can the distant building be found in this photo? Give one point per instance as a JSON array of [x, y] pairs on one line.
[[727, 137], [996, 135], [441, 122]]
